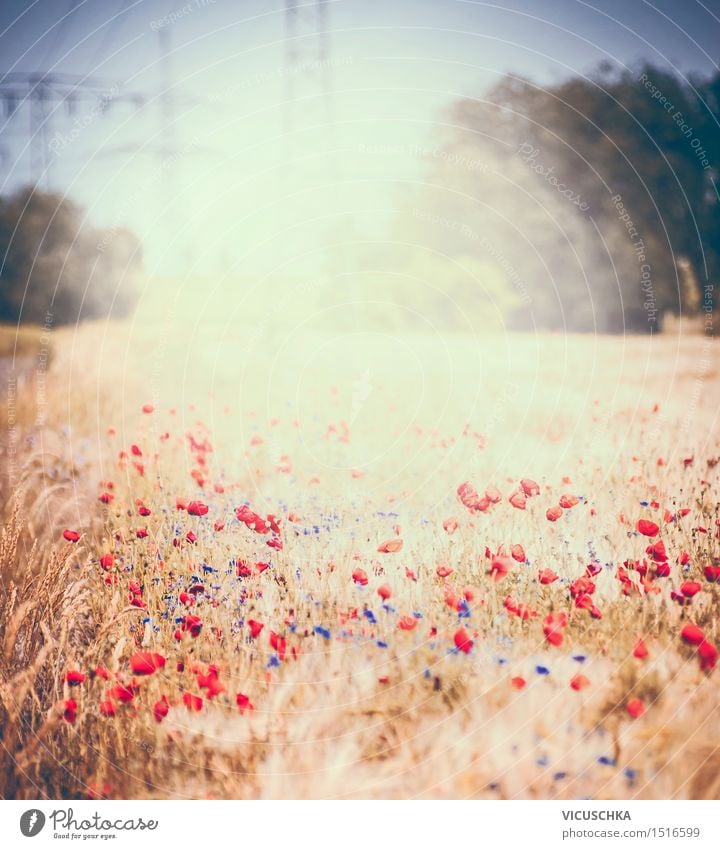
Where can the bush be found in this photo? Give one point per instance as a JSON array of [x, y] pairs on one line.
[[53, 266]]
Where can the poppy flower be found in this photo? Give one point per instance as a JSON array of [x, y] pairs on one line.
[[69, 710], [146, 662], [147, 409], [161, 708], [197, 508], [106, 497], [493, 494], [121, 692], [547, 576], [552, 514], [553, 627], [640, 650], [107, 561], [74, 677], [384, 591], [462, 641], [499, 568], [517, 682], [192, 623], [71, 536], [450, 525], [582, 586], [518, 553], [647, 528], [244, 703], [657, 551], [708, 655], [443, 570], [579, 682], [360, 577], [469, 497], [568, 501], [390, 546], [279, 643], [255, 627], [518, 500], [108, 707], [407, 623], [712, 574], [409, 573], [635, 708], [192, 702], [692, 635], [529, 487], [690, 588]]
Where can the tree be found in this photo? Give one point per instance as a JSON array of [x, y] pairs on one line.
[[54, 266], [598, 193]]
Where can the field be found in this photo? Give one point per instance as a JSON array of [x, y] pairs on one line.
[[242, 564]]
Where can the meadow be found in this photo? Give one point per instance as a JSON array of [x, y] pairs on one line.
[[271, 563]]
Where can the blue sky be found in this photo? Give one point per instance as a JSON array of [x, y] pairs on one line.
[[394, 66]]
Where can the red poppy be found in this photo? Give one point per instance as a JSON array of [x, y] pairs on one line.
[[161, 708], [244, 703], [579, 682], [443, 570], [518, 553], [692, 635], [499, 568], [469, 497], [640, 650], [493, 494], [68, 709], [450, 525], [279, 643], [407, 623], [360, 577], [568, 501], [74, 677], [390, 546], [690, 588], [255, 627], [384, 591], [518, 500], [547, 576], [708, 654], [529, 487], [192, 702], [712, 574], [647, 528], [635, 708], [71, 536], [552, 514], [146, 662], [121, 692], [108, 707], [462, 640], [517, 682]]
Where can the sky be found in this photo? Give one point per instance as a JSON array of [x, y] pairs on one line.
[[234, 147]]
